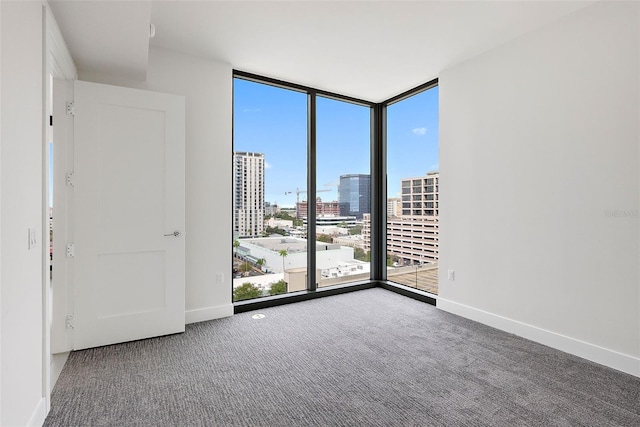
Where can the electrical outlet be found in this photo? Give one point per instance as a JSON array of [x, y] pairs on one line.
[[219, 278], [451, 275]]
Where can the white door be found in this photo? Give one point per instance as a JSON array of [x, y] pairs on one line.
[[129, 201]]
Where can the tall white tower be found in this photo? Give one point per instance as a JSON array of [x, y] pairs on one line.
[[248, 193]]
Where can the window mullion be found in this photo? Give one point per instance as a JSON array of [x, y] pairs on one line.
[[378, 193], [312, 283]]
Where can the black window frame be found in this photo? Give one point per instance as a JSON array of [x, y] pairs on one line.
[[378, 243]]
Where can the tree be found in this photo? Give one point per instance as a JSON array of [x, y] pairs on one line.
[[246, 291], [356, 230], [236, 245], [324, 238], [360, 254], [261, 262], [279, 287], [284, 215], [276, 230], [283, 253]]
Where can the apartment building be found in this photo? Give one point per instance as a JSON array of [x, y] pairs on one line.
[[248, 193], [394, 207], [412, 236], [271, 209], [420, 195]]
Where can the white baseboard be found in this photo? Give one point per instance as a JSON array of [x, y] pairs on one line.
[[208, 313], [613, 359], [39, 414]]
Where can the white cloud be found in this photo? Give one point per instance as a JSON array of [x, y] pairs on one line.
[[251, 110], [267, 165], [419, 131]]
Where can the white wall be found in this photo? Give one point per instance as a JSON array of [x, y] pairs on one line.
[[1, 211], [550, 122], [207, 86], [22, 194]]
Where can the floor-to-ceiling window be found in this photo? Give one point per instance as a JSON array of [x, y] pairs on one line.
[[305, 163], [413, 190], [343, 194], [269, 188]]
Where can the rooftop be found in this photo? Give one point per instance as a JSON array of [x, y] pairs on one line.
[[291, 244]]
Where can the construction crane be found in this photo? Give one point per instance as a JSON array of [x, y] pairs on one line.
[[298, 192]]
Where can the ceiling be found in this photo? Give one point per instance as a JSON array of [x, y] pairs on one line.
[[371, 50]]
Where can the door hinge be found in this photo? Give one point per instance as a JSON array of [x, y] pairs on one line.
[[50, 120], [71, 250], [68, 179], [69, 321], [71, 109]]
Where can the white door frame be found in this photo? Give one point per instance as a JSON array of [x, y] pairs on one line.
[[57, 64], [63, 278]]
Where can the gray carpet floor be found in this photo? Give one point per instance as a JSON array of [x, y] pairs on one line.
[[367, 358]]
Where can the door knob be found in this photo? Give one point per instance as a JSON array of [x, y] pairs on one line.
[[174, 234]]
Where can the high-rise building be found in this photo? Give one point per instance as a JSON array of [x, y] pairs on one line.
[[394, 207], [354, 195], [412, 237], [248, 193], [420, 195], [271, 209]]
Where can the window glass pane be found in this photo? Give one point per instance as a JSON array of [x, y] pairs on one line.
[[269, 177], [343, 191], [412, 170]]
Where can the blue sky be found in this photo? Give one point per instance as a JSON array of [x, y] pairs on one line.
[[273, 121], [412, 139]]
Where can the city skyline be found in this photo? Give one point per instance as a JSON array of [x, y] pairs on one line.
[[273, 121], [270, 123]]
